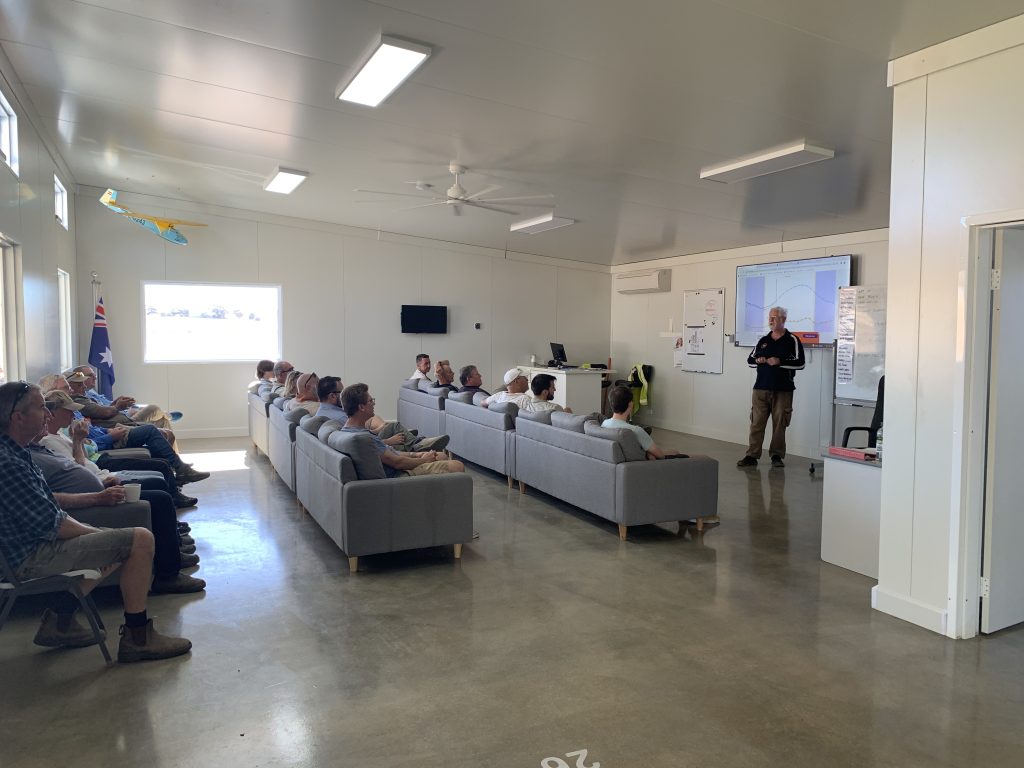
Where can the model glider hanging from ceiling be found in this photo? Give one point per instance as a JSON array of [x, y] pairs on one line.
[[155, 224]]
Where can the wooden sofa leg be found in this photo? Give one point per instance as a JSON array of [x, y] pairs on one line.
[[700, 525], [458, 551], [522, 487], [509, 478], [353, 564], [622, 532]]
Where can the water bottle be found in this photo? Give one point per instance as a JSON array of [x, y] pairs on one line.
[[878, 446], [533, 361]]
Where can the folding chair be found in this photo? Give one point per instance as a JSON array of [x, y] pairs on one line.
[[11, 588]]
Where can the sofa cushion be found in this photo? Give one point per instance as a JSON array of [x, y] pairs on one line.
[[423, 385], [268, 397], [438, 391], [311, 424], [572, 421], [460, 397], [359, 447], [479, 397], [279, 402], [631, 449], [541, 417], [327, 429], [411, 384], [295, 415]]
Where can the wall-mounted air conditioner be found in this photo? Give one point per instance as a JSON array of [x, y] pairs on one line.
[[644, 281]]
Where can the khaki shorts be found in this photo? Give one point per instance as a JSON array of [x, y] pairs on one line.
[[91, 550], [431, 468]]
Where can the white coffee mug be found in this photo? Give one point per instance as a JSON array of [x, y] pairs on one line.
[[132, 491]]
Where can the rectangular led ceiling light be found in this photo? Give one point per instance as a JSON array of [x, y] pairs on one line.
[[767, 161], [540, 223], [285, 181], [388, 67]]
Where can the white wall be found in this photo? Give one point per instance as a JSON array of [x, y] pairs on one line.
[[718, 406], [342, 292], [27, 219], [957, 149]]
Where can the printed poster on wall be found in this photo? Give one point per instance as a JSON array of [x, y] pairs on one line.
[[700, 346]]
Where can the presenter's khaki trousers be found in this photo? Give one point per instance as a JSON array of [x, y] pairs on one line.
[[777, 405]]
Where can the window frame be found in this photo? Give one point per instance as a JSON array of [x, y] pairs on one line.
[[8, 134], [65, 319], [60, 202]]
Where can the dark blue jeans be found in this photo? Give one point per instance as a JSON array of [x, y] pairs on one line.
[[148, 436]]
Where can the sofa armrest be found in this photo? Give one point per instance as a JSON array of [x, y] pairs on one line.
[[406, 513], [128, 453], [131, 514], [666, 490]]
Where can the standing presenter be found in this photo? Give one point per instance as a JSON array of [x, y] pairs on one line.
[[777, 357]]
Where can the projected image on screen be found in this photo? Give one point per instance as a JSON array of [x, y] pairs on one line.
[[192, 322], [807, 288]]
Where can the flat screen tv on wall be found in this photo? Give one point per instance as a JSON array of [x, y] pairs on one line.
[[420, 318]]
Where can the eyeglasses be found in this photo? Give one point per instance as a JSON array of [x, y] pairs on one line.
[[17, 398]]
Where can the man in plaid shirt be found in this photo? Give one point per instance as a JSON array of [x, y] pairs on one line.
[[38, 538]]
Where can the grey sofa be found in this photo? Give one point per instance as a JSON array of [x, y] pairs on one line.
[[421, 407], [372, 516], [259, 422], [281, 439], [484, 436], [604, 471]]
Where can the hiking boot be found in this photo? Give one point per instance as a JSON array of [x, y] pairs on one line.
[[185, 474], [64, 631], [179, 584], [181, 501], [183, 527], [185, 540], [747, 461], [152, 647], [431, 443], [777, 462], [187, 549]]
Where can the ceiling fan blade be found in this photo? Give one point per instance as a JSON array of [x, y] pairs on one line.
[[424, 205], [457, 210], [393, 194], [484, 191], [475, 204], [517, 199]]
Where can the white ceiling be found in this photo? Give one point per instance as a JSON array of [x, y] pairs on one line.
[[612, 106]]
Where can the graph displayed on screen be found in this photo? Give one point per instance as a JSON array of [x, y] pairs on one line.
[[807, 288]]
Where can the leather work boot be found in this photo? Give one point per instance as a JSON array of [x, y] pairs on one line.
[[151, 646], [179, 584], [64, 632], [185, 474]]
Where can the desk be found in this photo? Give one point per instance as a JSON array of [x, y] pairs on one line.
[[850, 512], [575, 388]]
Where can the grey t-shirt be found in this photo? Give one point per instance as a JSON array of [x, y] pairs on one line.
[[62, 474]]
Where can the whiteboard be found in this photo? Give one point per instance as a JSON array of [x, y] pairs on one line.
[[860, 342], [700, 348]]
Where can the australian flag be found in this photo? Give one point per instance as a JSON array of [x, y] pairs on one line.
[[100, 356]]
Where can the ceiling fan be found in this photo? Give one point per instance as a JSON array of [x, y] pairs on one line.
[[456, 196]]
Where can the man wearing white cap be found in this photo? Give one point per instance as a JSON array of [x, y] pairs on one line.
[[516, 385]]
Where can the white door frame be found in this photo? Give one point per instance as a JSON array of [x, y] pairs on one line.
[[970, 414]]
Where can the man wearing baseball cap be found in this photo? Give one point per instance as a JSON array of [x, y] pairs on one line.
[[516, 384]]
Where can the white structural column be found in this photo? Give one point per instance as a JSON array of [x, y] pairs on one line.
[[956, 138]]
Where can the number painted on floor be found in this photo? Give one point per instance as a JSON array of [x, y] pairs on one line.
[[579, 754]]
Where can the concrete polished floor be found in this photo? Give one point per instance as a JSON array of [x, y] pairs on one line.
[[737, 647]]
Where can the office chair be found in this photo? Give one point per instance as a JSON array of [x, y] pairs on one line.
[[11, 587], [876, 420]]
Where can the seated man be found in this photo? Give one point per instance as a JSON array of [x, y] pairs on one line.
[[264, 375], [471, 380], [38, 538], [620, 399], [358, 406], [329, 393], [422, 367], [276, 385], [70, 438], [516, 385], [543, 389], [306, 396], [147, 414], [103, 415]]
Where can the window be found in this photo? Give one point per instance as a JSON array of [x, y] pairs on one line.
[[8, 134], [12, 315], [64, 316], [205, 323], [60, 202]]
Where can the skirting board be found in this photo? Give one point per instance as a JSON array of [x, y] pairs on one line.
[[908, 609], [193, 434]]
